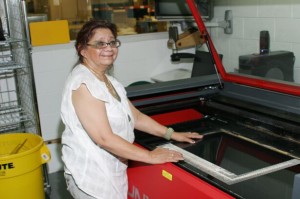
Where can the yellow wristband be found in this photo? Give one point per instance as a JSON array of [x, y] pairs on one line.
[[169, 133]]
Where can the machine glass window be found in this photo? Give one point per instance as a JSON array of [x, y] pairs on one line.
[[262, 44], [255, 44]]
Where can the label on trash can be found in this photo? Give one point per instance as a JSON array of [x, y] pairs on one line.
[[6, 166], [45, 157]]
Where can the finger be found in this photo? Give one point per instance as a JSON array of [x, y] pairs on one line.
[[194, 135], [176, 155], [176, 158]]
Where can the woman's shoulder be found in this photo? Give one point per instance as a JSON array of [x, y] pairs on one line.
[[80, 70], [81, 75]]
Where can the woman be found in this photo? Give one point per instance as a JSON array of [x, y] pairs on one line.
[[100, 120]]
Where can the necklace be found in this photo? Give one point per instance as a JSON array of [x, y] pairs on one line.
[[108, 84]]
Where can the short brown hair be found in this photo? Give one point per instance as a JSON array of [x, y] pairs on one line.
[[87, 32]]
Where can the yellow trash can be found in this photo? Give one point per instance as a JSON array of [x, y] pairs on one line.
[[21, 159]]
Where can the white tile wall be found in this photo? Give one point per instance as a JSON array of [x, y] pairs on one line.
[[242, 8], [296, 8], [275, 8], [287, 30]]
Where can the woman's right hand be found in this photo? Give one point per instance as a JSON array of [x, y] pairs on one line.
[[162, 155]]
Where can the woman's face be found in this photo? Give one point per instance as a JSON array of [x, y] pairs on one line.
[[103, 57]]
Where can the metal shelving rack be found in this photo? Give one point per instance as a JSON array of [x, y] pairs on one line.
[[18, 104], [16, 110]]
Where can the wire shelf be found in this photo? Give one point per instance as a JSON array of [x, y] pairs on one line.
[[10, 40], [17, 102], [9, 67], [12, 117]]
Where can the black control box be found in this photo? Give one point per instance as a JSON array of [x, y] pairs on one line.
[[274, 65]]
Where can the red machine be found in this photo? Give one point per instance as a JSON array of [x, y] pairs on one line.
[[167, 180], [251, 144]]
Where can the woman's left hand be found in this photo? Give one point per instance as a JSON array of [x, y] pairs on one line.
[[186, 137]]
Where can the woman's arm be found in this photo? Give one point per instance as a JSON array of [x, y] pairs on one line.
[[93, 117]]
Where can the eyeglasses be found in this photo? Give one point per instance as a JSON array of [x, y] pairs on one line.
[[101, 44]]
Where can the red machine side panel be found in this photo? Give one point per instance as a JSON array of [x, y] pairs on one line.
[[168, 181]]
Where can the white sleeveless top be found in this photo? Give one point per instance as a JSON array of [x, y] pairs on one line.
[[96, 171]]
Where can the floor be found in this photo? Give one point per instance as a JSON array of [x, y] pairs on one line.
[[58, 186]]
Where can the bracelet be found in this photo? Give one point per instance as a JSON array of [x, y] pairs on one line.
[[168, 133]]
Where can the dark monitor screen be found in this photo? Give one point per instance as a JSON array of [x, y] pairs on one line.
[[179, 10]]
